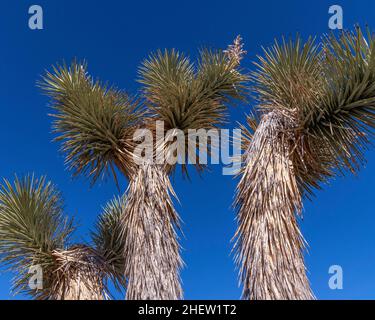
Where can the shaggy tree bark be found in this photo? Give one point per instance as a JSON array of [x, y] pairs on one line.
[[152, 259], [79, 289], [269, 243], [79, 275]]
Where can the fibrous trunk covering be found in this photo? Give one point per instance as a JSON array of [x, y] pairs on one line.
[[269, 243], [152, 259], [79, 275]]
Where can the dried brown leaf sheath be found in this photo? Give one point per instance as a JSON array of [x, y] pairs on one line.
[[269, 244], [151, 249]]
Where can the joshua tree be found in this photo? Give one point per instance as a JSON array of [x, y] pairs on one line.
[[34, 237], [96, 125], [316, 109]]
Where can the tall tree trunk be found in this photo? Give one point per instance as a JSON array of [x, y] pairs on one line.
[[152, 258], [269, 243]]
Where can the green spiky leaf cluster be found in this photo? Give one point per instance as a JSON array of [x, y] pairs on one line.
[[328, 94], [188, 96], [345, 116], [34, 231], [316, 109], [108, 239], [32, 226], [288, 76], [95, 122]]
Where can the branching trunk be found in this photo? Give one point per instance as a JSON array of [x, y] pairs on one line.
[[152, 259], [269, 243]]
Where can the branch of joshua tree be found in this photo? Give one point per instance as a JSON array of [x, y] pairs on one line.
[[34, 232], [95, 123], [330, 91], [193, 96], [324, 98], [183, 98], [31, 227]]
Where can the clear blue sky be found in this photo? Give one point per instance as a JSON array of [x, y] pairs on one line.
[[114, 37]]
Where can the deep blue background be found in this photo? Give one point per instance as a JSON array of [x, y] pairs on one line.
[[115, 36]]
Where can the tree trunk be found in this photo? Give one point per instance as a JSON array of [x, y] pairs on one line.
[[80, 289], [269, 243], [152, 259], [79, 275]]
